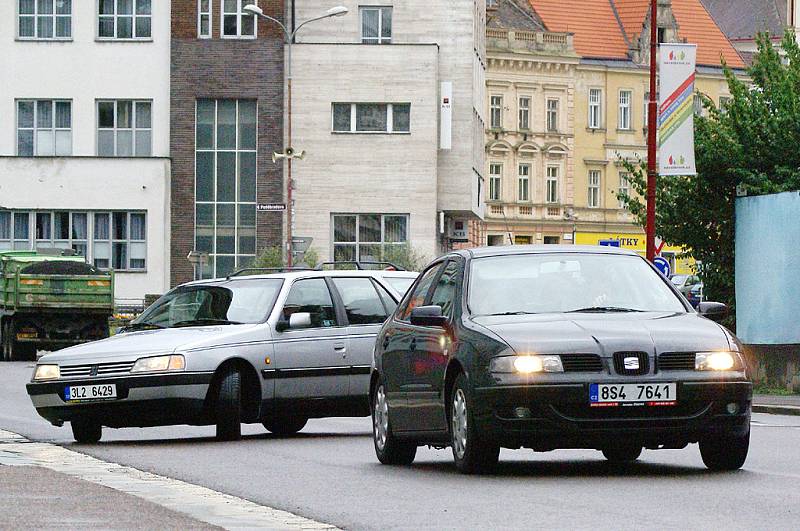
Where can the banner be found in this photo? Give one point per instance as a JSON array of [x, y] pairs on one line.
[[676, 109]]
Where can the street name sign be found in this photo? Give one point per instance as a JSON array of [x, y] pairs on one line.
[[271, 207]]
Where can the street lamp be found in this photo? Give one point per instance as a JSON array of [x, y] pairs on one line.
[[253, 9]]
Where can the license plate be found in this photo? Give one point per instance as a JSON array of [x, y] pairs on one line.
[[74, 393], [650, 394]]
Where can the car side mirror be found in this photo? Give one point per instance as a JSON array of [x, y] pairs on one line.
[[428, 316], [300, 320], [716, 311]]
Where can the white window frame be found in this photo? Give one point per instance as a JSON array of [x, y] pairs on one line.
[[495, 181], [36, 16], [524, 113], [552, 114], [240, 4], [496, 111], [595, 108], [624, 118], [594, 179], [380, 39], [135, 129], [551, 184], [624, 186], [354, 123], [209, 15], [524, 183], [36, 129], [358, 243], [116, 16]]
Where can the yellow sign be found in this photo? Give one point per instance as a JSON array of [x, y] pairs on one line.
[[637, 242]]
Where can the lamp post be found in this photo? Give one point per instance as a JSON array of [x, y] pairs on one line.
[[253, 9], [652, 124]]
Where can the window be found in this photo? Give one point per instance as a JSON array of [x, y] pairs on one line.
[[624, 116], [698, 104], [236, 25], [124, 128], [204, 18], [552, 184], [523, 191], [225, 184], [362, 304], [496, 112], [624, 186], [524, 113], [44, 19], [376, 25], [119, 240], [368, 237], [311, 296], [594, 189], [124, 19], [371, 117], [646, 110], [44, 128], [724, 101], [552, 114], [419, 293], [495, 176], [595, 96], [444, 294], [64, 230]]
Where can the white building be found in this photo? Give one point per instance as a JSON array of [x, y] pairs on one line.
[[84, 134], [388, 105]]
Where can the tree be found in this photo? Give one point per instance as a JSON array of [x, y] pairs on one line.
[[272, 257], [752, 142]]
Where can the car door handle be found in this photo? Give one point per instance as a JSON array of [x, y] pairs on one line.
[[339, 347]]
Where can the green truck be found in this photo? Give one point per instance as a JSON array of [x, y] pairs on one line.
[[49, 300]]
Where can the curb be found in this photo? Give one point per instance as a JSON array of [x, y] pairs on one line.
[[776, 410]]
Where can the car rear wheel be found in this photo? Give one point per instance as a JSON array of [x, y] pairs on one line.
[[622, 454], [727, 452], [86, 431], [285, 425], [389, 449], [472, 453], [229, 406]]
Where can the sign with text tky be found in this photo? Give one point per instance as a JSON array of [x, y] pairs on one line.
[[676, 109]]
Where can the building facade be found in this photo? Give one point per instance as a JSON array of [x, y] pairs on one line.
[[84, 153], [388, 107]]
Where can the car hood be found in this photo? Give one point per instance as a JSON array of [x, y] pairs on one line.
[[604, 334], [132, 345]]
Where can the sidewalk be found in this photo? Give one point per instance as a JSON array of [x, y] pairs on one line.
[[777, 404]]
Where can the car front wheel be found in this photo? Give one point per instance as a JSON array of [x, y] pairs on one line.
[[86, 431], [228, 408], [389, 449], [727, 452], [472, 453]]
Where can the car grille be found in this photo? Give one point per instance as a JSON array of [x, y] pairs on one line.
[[581, 362], [676, 361], [96, 369], [619, 363]]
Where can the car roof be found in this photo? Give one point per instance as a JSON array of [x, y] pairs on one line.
[[310, 273], [508, 250]]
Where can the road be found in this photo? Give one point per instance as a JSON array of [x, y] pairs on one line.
[[329, 473]]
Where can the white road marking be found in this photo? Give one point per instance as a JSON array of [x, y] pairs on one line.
[[198, 502]]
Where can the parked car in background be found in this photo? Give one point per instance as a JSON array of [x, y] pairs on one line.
[[684, 283], [695, 295], [276, 349], [550, 347]]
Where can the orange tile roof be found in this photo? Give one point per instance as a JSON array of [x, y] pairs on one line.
[[599, 34]]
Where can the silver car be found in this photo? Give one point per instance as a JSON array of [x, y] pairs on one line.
[[277, 349]]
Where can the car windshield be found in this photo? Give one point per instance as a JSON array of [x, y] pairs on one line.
[[231, 302], [677, 279], [400, 284], [554, 283]]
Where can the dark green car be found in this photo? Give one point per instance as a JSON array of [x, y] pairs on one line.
[[550, 347]]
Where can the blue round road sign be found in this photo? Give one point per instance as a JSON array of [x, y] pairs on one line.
[[662, 264]]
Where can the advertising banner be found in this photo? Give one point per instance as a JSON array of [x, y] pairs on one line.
[[676, 109]]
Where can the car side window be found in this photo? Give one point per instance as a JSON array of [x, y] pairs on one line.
[[362, 304], [420, 291], [388, 300], [444, 294], [312, 296]]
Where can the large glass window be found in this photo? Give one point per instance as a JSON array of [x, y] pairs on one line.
[[624, 115], [376, 25], [552, 184], [204, 18], [595, 97], [124, 128], [524, 183], [495, 178], [124, 19], [225, 184], [44, 19], [361, 301], [594, 189], [371, 117], [44, 128], [235, 24], [368, 237]]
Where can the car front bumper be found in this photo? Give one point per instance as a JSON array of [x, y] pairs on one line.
[[145, 400], [549, 416]]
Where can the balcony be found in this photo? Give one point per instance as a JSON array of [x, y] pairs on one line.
[[530, 41]]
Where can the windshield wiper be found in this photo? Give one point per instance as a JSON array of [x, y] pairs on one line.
[[510, 313], [140, 326], [204, 322], [603, 309]]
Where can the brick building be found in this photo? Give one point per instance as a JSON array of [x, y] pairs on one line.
[[226, 121]]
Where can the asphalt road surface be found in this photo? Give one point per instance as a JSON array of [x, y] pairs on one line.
[[329, 473]]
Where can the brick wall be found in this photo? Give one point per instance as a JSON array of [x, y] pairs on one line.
[[223, 68]]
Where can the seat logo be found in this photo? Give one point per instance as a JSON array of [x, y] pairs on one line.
[[631, 364]]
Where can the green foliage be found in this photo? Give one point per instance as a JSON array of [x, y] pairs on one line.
[[310, 258], [270, 257], [405, 256], [753, 142]]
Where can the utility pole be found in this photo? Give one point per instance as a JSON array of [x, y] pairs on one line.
[[652, 124]]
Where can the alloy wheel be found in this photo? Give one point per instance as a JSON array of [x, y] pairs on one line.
[[380, 418], [459, 422]]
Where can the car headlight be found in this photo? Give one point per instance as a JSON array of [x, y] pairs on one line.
[[46, 372], [173, 362], [526, 364], [717, 361]]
